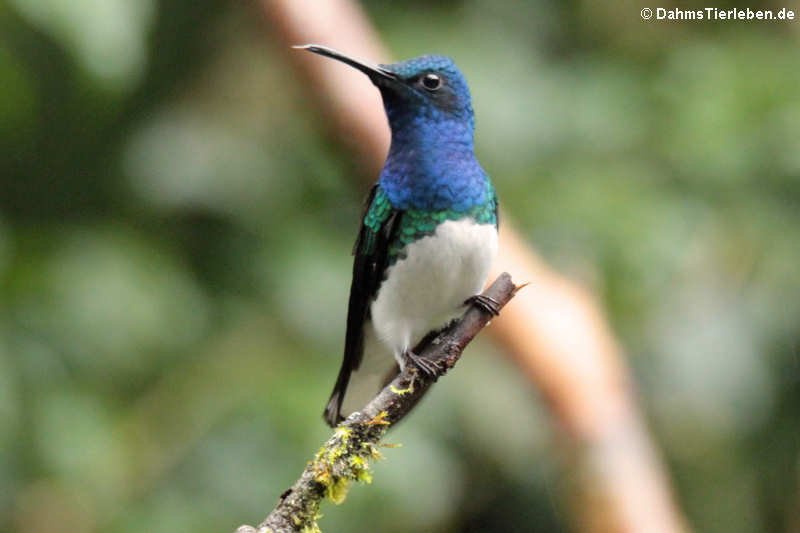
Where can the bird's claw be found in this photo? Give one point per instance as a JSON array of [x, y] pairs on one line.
[[427, 366], [487, 303]]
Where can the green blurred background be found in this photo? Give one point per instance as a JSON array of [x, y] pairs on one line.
[[175, 228]]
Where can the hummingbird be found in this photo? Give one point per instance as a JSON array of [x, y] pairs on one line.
[[429, 230]]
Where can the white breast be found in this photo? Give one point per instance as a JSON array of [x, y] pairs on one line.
[[427, 288]]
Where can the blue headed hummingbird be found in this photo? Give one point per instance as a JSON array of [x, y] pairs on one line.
[[429, 231]]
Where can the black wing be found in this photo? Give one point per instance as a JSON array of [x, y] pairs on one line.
[[371, 253]]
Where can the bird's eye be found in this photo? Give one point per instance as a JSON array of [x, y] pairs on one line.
[[431, 81]]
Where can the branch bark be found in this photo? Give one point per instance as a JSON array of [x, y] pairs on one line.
[[345, 457]]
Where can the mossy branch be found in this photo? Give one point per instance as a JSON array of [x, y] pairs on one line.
[[346, 456]]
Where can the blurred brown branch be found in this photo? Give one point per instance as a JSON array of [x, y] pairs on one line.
[[345, 457], [556, 331]]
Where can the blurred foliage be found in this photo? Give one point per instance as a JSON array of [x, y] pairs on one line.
[[175, 229]]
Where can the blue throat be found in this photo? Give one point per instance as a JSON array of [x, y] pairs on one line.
[[431, 163]]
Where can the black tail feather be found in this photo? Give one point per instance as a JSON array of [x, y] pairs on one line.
[[333, 411]]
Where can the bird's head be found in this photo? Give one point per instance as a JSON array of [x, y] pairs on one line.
[[427, 90]]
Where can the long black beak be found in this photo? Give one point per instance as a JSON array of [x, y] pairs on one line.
[[375, 72]]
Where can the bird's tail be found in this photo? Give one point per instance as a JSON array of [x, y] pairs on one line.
[[333, 411], [377, 368]]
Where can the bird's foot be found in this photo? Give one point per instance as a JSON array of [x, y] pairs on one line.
[[487, 303], [424, 365]]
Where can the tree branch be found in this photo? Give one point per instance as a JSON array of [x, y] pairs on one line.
[[345, 457]]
